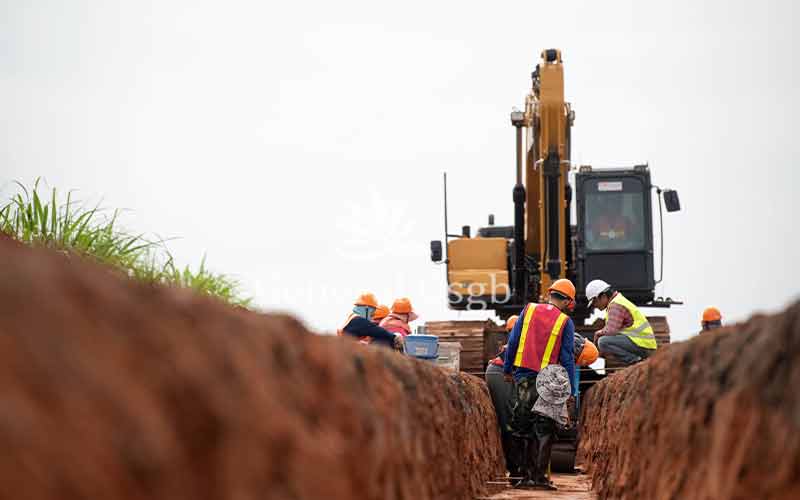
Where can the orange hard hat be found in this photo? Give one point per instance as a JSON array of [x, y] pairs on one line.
[[510, 322], [402, 306], [366, 299], [711, 314], [380, 312], [564, 287], [588, 354]]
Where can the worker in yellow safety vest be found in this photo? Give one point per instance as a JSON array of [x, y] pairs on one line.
[[627, 335], [543, 335]]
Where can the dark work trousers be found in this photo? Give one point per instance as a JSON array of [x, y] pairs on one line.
[[533, 434], [623, 348], [501, 392]]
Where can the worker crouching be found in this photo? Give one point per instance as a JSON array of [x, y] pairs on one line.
[[627, 335], [542, 336]]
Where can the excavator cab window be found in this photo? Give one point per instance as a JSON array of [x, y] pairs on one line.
[[614, 215]]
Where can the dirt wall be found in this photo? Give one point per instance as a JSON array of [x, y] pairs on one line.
[[116, 390], [717, 417]]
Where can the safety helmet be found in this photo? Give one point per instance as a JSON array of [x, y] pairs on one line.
[[564, 287], [366, 299], [711, 314], [402, 306], [588, 354], [510, 322], [595, 288], [380, 312]]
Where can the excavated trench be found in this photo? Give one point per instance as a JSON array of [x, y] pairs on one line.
[[116, 390], [717, 417]]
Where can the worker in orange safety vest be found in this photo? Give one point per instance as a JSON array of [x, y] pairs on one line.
[[543, 335]]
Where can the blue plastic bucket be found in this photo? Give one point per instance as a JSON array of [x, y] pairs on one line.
[[422, 346]]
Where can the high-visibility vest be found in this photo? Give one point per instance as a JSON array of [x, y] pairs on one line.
[[350, 317], [540, 336], [640, 332]]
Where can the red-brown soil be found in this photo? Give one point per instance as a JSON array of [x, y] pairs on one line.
[[116, 390], [717, 417]]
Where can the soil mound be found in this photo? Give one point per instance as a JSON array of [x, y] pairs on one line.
[[116, 390], [717, 417]]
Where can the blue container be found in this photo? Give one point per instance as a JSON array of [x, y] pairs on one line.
[[422, 346]]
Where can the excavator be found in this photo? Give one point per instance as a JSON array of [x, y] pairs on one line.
[[503, 268]]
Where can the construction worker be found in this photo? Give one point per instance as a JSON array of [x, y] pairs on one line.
[[500, 390], [397, 321], [586, 352], [712, 319], [380, 312], [543, 335], [358, 324], [627, 335]]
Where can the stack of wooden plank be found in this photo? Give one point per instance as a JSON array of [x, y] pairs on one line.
[[471, 336], [661, 329]]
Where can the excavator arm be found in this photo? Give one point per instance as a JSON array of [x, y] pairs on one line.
[[544, 126]]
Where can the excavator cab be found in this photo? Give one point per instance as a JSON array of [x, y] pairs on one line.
[[614, 236], [613, 239]]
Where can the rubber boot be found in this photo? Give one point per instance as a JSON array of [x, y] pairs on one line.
[[511, 452], [542, 462], [524, 465]]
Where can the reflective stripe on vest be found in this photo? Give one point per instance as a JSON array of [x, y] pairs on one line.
[[350, 317], [540, 337], [640, 332]]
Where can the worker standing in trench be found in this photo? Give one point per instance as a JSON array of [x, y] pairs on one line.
[[543, 336], [627, 335], [359, 324], [501, 390]]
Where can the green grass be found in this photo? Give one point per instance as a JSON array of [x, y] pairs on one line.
[[45, 219]]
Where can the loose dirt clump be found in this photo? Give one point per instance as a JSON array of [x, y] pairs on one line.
[[116, 390], [717, 417]]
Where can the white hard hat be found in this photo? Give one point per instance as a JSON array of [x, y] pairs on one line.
[[595, 288]]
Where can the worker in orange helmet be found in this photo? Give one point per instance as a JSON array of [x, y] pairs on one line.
[[586, 352], [711, 319], [544, 335], [398, 319], [359, 324], [500, 390], [380, 312]]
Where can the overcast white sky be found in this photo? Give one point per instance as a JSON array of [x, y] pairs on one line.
[[301, 144]]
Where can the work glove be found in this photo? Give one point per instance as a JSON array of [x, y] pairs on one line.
[[572, 412], [399, 341]]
